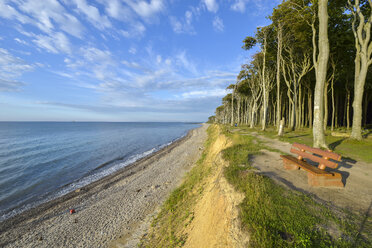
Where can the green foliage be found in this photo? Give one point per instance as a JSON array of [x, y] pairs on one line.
[[249, 42], [277, 217]]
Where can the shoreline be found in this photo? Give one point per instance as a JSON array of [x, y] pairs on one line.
[[15, 228], [70, 194]]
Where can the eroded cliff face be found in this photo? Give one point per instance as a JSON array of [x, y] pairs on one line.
[[216, 222]]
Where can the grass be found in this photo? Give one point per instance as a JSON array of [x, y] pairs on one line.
[[353, 149], [272, 215], [176, 213], [278, 217]]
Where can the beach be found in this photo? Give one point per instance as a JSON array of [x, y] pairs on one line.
[[114, 211]]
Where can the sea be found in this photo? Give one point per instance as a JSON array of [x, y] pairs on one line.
[[40, 161]]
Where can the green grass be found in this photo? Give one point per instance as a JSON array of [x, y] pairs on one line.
[[176, 213], [278, 217], [353, 149]]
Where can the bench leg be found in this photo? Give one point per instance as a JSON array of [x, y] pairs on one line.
[[325, 181], [289, 165]]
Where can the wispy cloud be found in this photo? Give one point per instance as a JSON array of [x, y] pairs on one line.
[[204, 93], [11, 66], [9, 85], [92, 13], [53, 43], [211, 5], [146, 9], [218, 24], [183, 25], [49, 13], [259, 6]]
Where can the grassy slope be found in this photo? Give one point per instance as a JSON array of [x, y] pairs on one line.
[[272, 215], [278, 217], [353, 149]]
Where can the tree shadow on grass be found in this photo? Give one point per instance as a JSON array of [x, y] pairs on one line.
[[297, 136], [333, 145]]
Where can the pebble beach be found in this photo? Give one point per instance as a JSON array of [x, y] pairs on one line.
[[115, 211]]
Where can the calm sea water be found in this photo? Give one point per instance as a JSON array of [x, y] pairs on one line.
[[40, 161]]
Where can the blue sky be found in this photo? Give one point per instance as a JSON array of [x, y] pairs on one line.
[[121, 60]]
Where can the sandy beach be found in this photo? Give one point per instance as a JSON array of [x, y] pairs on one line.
[[114, 211]]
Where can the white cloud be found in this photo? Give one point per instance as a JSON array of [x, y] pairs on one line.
[[8, 12], [211, 5], [46, 14], [144, 9], [132, 50], [136, 30], [218, 24], [55, 43], [20, 41], [12, 67], [183, 61], [257, 6], [93, 15], [204, 93], [239, 5], [158, 59], [10, 86], [184, 25], [117, 10]]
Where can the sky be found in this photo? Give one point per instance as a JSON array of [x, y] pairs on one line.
[[122, 60]]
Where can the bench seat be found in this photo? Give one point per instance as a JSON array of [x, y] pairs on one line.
[[316, 176]]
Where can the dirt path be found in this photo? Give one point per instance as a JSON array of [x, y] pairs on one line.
[[356, 195], [216, 222]]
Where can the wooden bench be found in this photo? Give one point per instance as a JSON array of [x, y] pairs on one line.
[[317, 176]]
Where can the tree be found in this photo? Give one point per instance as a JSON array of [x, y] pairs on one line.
[[320, 65], [363, 44]]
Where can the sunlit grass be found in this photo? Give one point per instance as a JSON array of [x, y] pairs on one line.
[[278, 217], [353, 149]]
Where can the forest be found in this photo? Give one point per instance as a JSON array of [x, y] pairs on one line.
[[312, 71]]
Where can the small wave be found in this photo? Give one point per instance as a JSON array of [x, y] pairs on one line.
[[84, 181]]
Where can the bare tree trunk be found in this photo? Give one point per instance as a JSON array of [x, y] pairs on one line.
[[265, 88], [303, 111], [325, 120], [232, 109], [365, 107], [310, 100], [281, 127], [238, 121], [278, 61], [321, 74], [363, 60], [348, 111], [333, 105]]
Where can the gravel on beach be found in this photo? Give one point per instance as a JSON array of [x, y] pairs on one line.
[[114, 211]]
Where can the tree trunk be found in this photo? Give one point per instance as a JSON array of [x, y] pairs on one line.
[[365, 108], [325, 121], [310, 100], [265, 88], [321, 75], [232, 109], [281, 128], [348, 111], [238, 121], [278, 61], [333, 105], [363, 60]]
